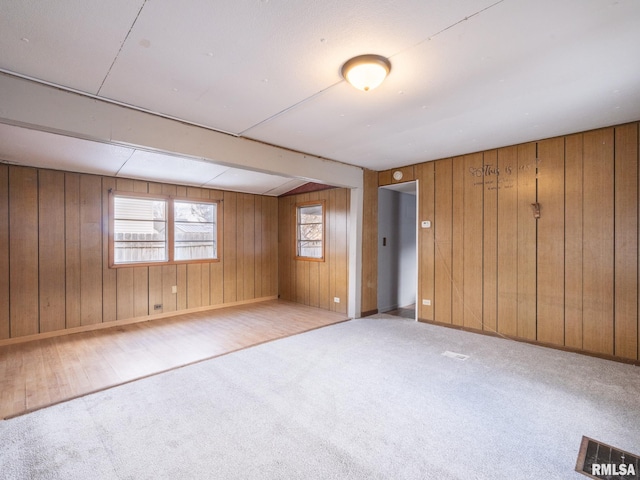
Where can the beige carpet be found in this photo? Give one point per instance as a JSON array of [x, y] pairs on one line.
[[371, 398]]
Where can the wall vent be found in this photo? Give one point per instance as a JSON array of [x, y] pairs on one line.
[[601, 461], [457, 356]]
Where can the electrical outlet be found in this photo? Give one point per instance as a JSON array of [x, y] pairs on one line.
[[157, 306], [426, 302], [174, 289], [336, 299]]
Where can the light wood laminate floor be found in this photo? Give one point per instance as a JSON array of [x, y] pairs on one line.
[[44, 372]]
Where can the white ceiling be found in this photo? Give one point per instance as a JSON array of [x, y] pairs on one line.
[[467, 75]]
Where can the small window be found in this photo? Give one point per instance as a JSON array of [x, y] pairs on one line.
[[148, 229], [139, 230], [310, 231], [195, 230]]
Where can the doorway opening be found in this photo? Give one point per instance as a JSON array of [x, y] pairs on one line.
[[397, 252]]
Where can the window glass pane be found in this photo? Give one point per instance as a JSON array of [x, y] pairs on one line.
[[139, 230], [309, 231], [195, 230]]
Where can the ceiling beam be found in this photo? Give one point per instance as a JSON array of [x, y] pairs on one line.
[[43, 107]]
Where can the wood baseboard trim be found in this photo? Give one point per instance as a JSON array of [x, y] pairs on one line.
[[368, 313], [128, 321], [602, 356]]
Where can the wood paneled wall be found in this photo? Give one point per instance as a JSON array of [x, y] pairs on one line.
[[309, 282], [568, 278], [54, 271]]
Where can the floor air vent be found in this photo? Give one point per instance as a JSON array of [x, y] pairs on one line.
[[457, 356], [598, 460]]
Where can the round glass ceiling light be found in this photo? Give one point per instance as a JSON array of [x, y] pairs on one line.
[[366, 72]]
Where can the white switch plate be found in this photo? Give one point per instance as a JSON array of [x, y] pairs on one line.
[[174, 289], [336, 299], [426, 224], [426, 302]]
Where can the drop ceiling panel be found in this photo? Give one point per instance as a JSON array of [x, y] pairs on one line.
[[161, 167], [233, 67], [496, 79], [246, 181], [47, 150], [71, 43]]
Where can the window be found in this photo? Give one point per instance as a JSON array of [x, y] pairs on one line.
[[310, 231], [149, 229]]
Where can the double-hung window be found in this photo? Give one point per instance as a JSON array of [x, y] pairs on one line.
[[156, 229], [310, 231]]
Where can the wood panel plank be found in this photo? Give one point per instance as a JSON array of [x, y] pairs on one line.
[[443, 231], [457, 242], [155, 290], [527, 167], [491, 176], [259, 245], [182, 285], [314, 283], [249, 255], [141, 291], [508, 241], [109, 275], [216, 269], [425, 173], [229, 246], [550, 255], [91, 249], [626, 241], [169, 280], [194, 285], [598, 241], [272, 256], [573, 188], [4, 253], [472, 241], [285, 247], [72, 249], [124, 292], [23, 250], [52, 249]]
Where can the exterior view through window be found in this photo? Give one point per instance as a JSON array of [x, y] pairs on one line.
[[310, 231], [195, 230], [140, 230], [162, 230]]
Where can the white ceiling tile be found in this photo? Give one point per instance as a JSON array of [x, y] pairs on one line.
[[161, 167], [237, 65], [468, 89], [47, 150], [288, 185], [66, 42], [246, 181]]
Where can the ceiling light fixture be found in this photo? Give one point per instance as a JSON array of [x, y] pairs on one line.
[[366, 72]]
